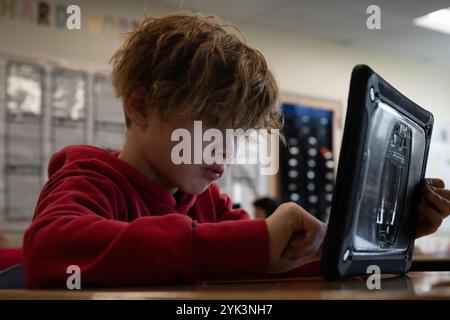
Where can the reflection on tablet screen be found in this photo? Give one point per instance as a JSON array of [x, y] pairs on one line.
[[384, 184]]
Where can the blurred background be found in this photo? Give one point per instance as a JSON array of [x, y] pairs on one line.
[[55, 88]]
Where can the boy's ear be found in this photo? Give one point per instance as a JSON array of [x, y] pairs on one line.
[[135, 106]]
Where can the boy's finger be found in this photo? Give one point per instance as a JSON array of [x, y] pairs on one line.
[[423, 199], [440, 202], [435, 182], [302, 245], [307, 241], [445, 193], [293, 253], [299, 239], [429, 220], [296, 253]]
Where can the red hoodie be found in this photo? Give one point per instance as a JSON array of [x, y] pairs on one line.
[[98, 212]]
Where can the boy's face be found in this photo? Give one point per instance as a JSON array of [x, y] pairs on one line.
[[155, 142]]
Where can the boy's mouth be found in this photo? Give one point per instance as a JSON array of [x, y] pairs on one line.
[[213, 171]]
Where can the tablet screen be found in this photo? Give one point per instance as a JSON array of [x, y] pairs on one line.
[[387, 172]]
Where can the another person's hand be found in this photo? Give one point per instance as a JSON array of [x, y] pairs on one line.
[[295, 237], [433, 208]]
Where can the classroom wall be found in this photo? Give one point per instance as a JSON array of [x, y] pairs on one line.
[[303, 65]]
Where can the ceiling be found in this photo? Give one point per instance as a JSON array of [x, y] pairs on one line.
[[339, 21]]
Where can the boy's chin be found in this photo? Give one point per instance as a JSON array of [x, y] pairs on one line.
[[195, 189]]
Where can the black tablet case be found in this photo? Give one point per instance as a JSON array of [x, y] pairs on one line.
[[341, 258]]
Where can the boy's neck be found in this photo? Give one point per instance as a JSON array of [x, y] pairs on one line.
[[131, 154]]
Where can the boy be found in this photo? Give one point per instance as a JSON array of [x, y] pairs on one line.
[[133, 217]]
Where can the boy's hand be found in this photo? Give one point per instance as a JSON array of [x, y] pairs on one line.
[[433, 208], [295, 237]]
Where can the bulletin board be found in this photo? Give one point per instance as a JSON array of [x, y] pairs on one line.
[[44, 106], [308, 161]]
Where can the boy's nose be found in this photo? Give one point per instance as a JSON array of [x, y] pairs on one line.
[[225, 151]]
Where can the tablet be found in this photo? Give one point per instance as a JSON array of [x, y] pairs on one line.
[[382, 162]]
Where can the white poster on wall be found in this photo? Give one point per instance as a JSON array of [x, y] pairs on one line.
[[109, 127], [68, 108], [23, 139]]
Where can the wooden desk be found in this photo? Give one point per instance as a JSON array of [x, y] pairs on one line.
[[419, 285]]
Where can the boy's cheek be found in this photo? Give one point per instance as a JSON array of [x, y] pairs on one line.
[[189, 178]]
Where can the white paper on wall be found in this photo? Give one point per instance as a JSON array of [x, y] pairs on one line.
[[23, 139], [44, 107], [68, 108], [109, 127]]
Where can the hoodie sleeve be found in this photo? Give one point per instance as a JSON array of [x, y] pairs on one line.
[[225, 212], [75, 224]]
